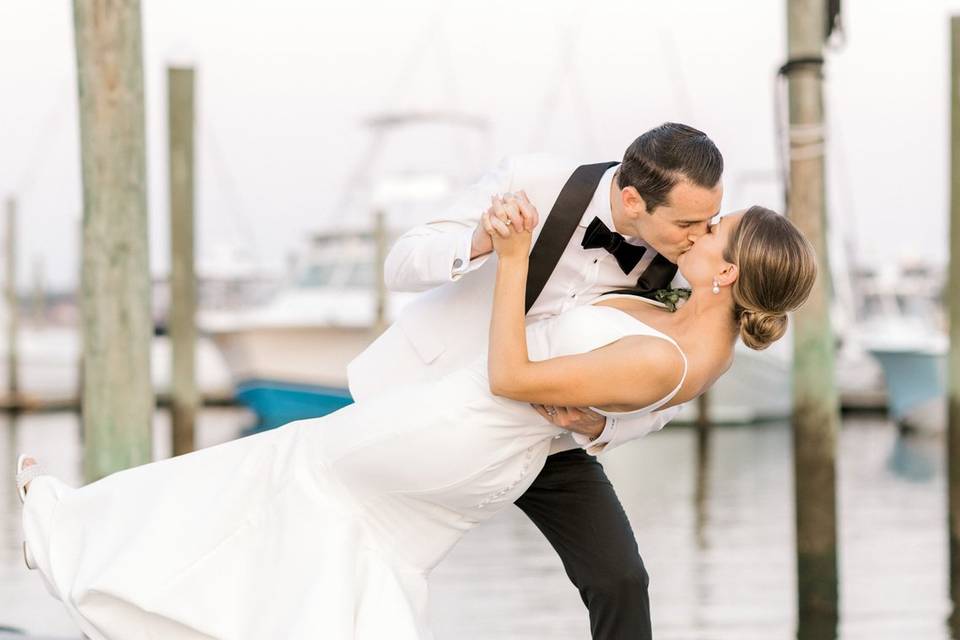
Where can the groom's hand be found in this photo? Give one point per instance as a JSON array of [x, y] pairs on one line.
[[583, 421]]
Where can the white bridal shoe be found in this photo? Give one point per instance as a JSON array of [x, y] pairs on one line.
[[23, 477]]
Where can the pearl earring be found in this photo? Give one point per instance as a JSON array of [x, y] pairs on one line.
[[716, 286]]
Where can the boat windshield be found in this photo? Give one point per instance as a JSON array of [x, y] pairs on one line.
[[361, 275], [317, 275]]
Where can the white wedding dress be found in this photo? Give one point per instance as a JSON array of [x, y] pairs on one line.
[[323, 528]]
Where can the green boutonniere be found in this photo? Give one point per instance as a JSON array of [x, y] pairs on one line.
[[671, 297]]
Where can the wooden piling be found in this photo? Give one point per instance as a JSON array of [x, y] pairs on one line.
[[118, 399], [701, 495], [701, 489], [953, 358], [703, 411], [13, 309], [184, 397], [816, 405]]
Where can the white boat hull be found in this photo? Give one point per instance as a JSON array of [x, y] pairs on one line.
[[310, 355]]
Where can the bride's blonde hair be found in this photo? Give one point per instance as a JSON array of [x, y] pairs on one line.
[[778, 267]]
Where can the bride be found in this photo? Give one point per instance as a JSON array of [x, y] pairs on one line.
[[329, 527]]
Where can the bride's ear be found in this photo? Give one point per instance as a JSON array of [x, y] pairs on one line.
[[728, 275]]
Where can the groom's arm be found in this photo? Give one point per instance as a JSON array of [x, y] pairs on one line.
[[443, 250], [619, 430]]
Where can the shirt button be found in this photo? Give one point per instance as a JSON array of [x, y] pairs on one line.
[[457, 263]]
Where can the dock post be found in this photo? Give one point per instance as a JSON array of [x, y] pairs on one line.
[[13, 309], [701, 493], [816, 415], [953, 358], [184, 399], [703, 411], [118, 398]]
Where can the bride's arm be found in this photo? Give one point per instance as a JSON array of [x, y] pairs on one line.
[[635, 371]]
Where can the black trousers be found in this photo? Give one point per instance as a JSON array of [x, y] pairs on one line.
[[573, 503]]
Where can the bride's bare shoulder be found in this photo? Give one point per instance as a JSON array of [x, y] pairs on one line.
[[653, 357], [645, 368]]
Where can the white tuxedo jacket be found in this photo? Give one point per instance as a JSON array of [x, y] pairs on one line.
[[447, 326]]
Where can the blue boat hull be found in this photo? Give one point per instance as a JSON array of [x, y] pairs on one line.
[[276, 403], [913, 378]]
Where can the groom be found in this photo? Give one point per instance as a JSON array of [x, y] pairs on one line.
[[610, 226]]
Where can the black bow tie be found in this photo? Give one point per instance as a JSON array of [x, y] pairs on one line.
[[598, 236]]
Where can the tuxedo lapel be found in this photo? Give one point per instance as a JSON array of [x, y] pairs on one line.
[[560, 224]]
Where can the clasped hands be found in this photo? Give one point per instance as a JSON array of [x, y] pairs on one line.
[[507, 212], [507, 215]]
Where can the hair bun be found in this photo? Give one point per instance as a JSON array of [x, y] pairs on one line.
[[759, 329]]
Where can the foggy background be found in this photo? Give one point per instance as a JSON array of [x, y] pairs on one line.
[[284, 86]]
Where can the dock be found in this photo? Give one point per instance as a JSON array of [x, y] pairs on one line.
[[30, 403]]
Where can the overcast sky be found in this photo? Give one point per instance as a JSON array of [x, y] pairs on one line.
[[284, 86]]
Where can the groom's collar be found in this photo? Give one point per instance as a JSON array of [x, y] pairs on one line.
[[599, 206]]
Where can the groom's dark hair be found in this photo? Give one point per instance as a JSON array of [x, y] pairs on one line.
[[656, 161]]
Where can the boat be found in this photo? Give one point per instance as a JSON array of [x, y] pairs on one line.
[[915, 374], [288, 357], [903, 328]]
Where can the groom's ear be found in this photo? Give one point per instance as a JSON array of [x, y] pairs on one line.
[[632, 201]]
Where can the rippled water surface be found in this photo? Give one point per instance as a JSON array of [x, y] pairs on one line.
[[715, 531]]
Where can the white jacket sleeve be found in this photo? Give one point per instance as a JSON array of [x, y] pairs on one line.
[[439, 252], [620, 429]]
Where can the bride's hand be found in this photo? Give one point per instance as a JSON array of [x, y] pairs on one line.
[[509, 241]]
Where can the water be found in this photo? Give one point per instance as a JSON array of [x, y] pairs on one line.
[[716, 535]]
